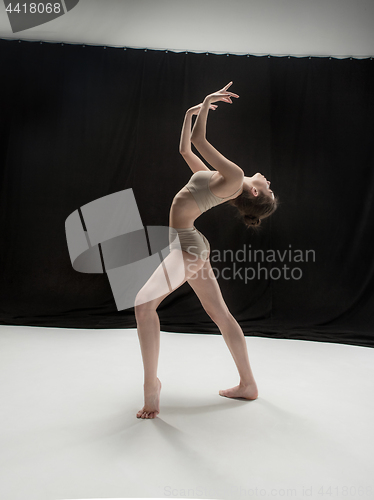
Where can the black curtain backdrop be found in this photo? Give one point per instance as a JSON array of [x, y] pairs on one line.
[[82, 122]]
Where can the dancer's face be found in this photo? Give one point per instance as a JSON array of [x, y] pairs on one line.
[[258, 184]]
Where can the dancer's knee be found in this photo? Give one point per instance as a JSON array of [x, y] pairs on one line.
[[144, 306], [220, 317]]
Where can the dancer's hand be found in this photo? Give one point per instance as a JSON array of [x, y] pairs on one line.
[[221, 95], [195, 110]]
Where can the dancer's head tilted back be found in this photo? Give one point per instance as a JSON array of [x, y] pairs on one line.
[[256, 201]]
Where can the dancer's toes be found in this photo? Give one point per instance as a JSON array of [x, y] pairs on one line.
[[228, 393], [141, 413], [149, 414], [146, 414]]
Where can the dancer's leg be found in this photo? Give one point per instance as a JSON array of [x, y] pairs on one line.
[[206, 287], [148, 322]]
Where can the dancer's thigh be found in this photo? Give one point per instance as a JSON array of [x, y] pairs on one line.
[[205, 285], [175, 270]]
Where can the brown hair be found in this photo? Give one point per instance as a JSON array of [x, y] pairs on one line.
[[252, 209]]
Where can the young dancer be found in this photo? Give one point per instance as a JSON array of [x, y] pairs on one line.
[[206, 188]]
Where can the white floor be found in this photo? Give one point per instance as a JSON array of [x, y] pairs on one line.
[[68, 425]]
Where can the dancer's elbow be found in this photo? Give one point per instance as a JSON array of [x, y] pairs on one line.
[[183, 152]]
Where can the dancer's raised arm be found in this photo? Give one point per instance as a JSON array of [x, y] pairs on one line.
[[191, 159], [225, 167]]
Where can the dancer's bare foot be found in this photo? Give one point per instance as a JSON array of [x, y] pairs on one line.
[[151, 406], [241, 391]]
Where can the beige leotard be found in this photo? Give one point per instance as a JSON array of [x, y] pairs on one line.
[[192, 240], [198, 186]]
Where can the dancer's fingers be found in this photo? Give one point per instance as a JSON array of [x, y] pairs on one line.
[[232, 94]]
